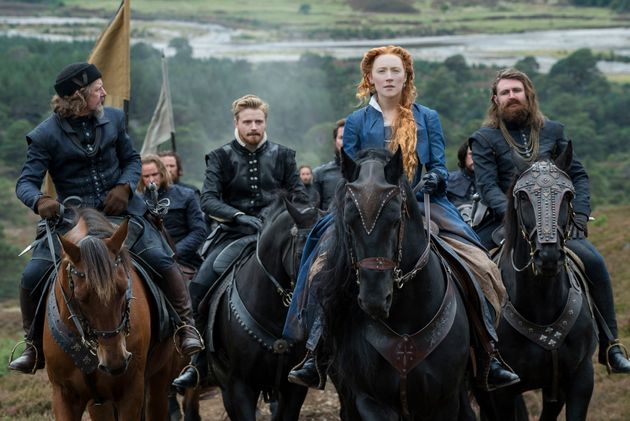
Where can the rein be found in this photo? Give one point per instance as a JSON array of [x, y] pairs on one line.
[[286, 294], [384, 263]]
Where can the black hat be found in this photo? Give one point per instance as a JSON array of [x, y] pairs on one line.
[[75, 76]]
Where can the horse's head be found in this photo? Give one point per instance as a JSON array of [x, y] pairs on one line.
[[373, 207], [94, 277], [541, 212], [284, 234]]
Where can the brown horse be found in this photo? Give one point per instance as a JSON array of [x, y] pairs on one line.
[[98, 343]]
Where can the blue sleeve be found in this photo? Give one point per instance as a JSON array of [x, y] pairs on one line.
[[196, 228], [351, 141]]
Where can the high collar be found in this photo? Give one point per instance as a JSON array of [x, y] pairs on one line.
[[247, 145]]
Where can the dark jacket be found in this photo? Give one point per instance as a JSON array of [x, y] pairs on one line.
[[461, 187], [238, 180], [325, 179], [495, 169], [184, 223], [54, 146]]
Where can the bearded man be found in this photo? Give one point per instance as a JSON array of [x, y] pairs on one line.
[[514, 123]]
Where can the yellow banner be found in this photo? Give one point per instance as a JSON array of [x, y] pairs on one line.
[[112, 57]]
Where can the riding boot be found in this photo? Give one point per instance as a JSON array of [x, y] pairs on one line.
[[32, 357], [174, 288], [194, 374], [309, 373]]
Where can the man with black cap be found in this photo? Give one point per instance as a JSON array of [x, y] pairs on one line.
[[85, 148]]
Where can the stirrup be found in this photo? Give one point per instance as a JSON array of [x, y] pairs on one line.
[[610, 346], [197, 374], [177, 348], [32, 345]]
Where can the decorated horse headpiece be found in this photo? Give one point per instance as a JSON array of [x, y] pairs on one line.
[[370, 193], [545, 185]]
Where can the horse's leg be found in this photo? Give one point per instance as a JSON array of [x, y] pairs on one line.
[[579, 392], [465, 410], [157, 395], [240, 401], [174, 412], [290, 400], [190, 405], [132, 403], [498, 405], [370, 410], [67, 405]]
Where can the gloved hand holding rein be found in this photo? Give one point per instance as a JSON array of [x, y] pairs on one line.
[[117, 200]]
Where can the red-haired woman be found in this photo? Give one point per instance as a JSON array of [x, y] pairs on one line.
[[392, 119]]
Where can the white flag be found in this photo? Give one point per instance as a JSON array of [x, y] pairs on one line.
[[162, 127]]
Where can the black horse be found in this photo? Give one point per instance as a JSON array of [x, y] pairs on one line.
[[250, 357], [397, 330], [546, 332]]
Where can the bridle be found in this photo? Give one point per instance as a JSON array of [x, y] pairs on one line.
[[296, 237], [89, 336], [545, 186], [379, 263]]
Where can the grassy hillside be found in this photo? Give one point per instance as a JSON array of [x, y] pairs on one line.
[[336, 19], [28, 397]]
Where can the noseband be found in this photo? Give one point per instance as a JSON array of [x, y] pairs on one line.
[[545, 185]]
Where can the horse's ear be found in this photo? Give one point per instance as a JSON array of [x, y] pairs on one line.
[[295, 213], [520, 164], [70, 249], [394, 168], [116, 241], [563, 161], [348, 166]]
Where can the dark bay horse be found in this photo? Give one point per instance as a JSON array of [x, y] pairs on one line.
[[250, 357], [397, 329], [546, 333], [98, 336]]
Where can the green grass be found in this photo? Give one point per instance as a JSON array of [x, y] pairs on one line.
[[335, 18]]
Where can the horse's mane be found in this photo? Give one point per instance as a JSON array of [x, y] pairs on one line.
[[339, 290], [100, 269]]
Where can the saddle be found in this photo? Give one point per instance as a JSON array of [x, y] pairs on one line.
[[210, 302]]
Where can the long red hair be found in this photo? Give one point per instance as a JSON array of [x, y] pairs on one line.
[[404, 133]]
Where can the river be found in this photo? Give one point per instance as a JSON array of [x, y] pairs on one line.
[[211, 40]]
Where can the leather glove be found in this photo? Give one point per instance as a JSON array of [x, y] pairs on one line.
[[117, 200], [248, 220], [47, 207], [431, 182], [579, 228]]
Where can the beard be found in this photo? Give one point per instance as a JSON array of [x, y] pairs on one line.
[[514, 112]]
